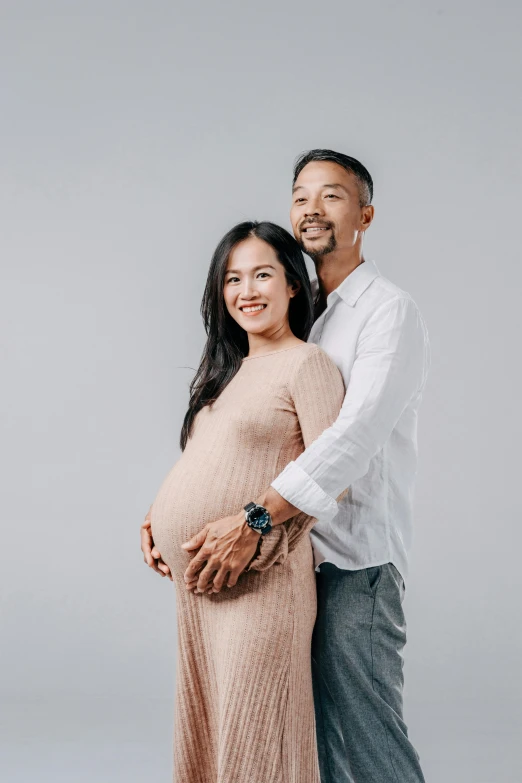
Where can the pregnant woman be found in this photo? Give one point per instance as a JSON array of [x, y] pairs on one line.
[[244, 706]]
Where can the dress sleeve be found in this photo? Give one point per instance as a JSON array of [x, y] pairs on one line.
[[317, 392]]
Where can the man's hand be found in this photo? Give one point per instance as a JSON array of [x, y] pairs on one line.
[[150, 554], [226, 547]]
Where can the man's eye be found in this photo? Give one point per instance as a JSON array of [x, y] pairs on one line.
[[331, 195], [299, 200]]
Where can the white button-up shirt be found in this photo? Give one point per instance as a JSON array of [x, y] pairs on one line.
[[357, 478]]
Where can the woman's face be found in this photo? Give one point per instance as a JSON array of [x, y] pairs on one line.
[[256, 291]]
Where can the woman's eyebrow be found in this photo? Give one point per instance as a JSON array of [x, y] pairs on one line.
[[263, 266]]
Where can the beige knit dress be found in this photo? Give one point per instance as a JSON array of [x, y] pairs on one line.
[[244, 705]]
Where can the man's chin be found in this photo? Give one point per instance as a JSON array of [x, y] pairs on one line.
[[316, 249]]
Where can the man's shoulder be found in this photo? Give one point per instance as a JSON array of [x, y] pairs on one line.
[[383, 290], [383, 293]]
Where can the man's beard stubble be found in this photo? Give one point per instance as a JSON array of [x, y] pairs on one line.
[[315, 255]]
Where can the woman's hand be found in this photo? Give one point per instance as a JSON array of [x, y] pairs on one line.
[[150, 554], [226, 547]]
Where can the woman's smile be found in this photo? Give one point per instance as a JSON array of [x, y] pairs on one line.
[[253, 309]]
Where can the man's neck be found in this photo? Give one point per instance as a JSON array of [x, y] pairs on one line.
[[332, 271]]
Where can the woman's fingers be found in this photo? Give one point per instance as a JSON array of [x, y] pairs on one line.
[[150, 554], [164, 568], [160, 562], [146, 544]]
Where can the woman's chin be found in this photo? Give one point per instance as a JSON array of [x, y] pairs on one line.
[[255, 324]]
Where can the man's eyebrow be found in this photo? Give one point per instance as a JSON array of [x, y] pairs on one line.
[[326, 185], [335, 185], [262, 266]]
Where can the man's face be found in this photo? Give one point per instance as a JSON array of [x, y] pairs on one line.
[[326, 214]]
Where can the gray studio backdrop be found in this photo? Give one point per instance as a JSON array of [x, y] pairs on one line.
[[133, 135]]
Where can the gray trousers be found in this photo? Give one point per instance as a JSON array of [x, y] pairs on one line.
[[357, 671]]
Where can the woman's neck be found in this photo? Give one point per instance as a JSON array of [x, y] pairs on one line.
[[262, 343]]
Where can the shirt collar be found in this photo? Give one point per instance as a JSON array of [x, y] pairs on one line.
[[353, 286]]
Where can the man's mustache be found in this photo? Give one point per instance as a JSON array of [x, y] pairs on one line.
[[319, 223]]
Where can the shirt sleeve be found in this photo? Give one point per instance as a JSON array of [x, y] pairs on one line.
[[389, 370]]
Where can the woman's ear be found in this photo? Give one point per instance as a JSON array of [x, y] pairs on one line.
[[295, 288]]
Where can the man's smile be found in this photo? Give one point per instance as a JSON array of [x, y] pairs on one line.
[[314, 230]]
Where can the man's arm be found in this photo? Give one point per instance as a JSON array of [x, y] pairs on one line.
[[389, 369]]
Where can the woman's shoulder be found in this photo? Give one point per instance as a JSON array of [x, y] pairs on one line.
[[311, 352], [312, 360], [297, 364]]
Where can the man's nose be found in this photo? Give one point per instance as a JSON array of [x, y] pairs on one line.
[[314, 207]]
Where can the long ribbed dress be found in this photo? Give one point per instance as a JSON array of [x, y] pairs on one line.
[[244, 705]]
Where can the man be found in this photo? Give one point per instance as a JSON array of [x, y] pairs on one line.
[[356, 479]]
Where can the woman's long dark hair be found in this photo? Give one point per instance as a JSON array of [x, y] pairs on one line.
[[227, 342]]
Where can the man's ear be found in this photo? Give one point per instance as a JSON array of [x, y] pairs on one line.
[[367, 216]]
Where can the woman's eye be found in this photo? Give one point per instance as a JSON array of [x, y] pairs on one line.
[[299, 200], [232, 279], [263, 273]]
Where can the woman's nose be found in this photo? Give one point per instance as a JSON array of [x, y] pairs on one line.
[[248, 290]]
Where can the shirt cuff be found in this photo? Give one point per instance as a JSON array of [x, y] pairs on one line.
[[299, 489]]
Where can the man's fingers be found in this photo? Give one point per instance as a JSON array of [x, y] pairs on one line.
[[219, 580], [234, 576], [195, 565], [196, 541], [205, 578]]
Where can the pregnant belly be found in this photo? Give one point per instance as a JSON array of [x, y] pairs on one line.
[[190, 497]]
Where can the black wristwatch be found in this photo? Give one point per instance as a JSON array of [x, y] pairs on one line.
[[258, 518]]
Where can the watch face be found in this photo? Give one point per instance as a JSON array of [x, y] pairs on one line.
[[258, 517]]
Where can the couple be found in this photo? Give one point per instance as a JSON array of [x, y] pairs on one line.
[[286, 522]]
